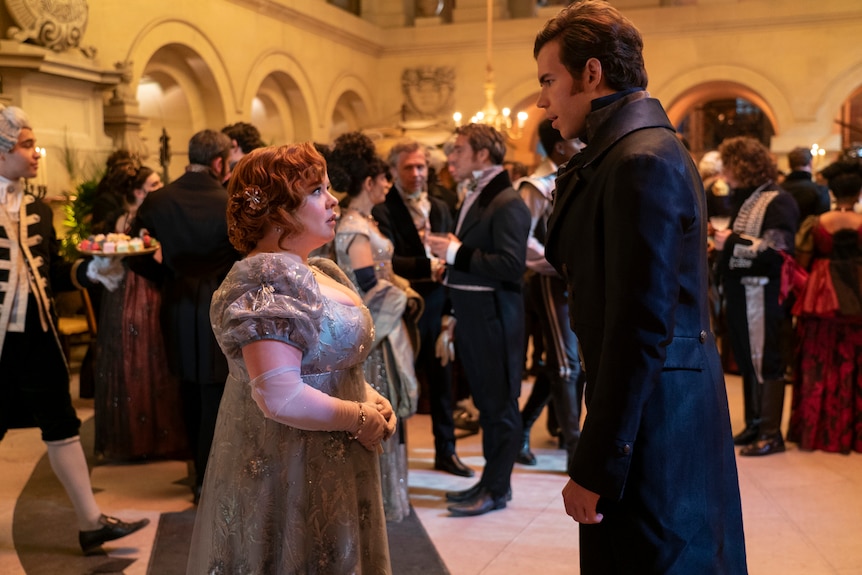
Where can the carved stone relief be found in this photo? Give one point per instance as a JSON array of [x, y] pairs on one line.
[[55, 24], [428, 91]]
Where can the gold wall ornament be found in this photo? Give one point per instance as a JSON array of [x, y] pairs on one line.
[[55, 24], [428, 91]]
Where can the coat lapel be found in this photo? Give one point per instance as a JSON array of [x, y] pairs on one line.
[[400, 216], [500, 182]]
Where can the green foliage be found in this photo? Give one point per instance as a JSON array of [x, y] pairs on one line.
[[78, 214]]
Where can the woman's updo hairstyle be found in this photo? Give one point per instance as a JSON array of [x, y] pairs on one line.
[[135, 181], [845, 178], [266, 188], [352, 160]]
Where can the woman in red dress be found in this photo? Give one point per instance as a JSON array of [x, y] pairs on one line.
[[827, 395]]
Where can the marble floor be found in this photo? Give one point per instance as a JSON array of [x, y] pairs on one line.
[[802, 511]]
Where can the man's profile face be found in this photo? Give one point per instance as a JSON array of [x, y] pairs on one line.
[[412, 171], [463, 160], [22, 161], [563, 97], [235, 153]]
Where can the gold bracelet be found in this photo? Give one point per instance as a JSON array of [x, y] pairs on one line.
[[362, 418]]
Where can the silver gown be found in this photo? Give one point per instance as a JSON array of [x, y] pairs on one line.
[[279, 500], [389, 367]]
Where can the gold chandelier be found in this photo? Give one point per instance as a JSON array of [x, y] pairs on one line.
[[490, 114]]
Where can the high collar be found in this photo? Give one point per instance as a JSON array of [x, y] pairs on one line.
[[600, 103], [10, 193]]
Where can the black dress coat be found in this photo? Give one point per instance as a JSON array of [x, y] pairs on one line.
[[628, 233], [489, 335], [34, 377], [188, 217], [410, 259]]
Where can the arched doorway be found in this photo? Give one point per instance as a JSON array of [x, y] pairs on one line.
[[278, 110], [177, 93], [710, 112], [348, 115], [850, 122]]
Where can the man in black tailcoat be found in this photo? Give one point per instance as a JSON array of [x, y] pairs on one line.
[[188, 217]]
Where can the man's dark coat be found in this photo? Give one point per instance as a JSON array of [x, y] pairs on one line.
[[628, 234]]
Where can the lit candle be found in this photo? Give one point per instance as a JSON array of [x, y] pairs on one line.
[[457, 117], [44, 166]]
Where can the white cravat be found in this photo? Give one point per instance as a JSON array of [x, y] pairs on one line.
[[10, 197]]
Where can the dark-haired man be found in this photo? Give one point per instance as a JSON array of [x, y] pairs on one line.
[[188, 217], [561, 377], [653, 481], [244, 138], [812, 198]]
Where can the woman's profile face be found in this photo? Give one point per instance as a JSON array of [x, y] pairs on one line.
[[153, 183], [317, 214], [380, 186]]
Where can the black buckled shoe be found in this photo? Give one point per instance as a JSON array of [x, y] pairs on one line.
[[481, 504], [112, 528], [452, 464]]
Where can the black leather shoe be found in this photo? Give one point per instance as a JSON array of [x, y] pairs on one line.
[[746, 436], [452, 464], [112, 528], [525, 456], [465, 495], [765, 446], [470, 494], [483, 503]]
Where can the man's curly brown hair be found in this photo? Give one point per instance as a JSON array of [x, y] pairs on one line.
[[266, 188], [748, 161]]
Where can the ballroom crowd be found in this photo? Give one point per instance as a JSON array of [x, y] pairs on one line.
[[306, 299]]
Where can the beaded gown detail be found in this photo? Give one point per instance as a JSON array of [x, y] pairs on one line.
[[277, 499], [826, 411], [389, 367]]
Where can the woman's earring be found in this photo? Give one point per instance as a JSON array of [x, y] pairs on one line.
[[278, 230]]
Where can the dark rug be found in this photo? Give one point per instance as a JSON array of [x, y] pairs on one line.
[[410, 548], [47, 542]]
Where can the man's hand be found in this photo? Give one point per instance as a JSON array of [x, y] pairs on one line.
[[439, 243], [581, 504]]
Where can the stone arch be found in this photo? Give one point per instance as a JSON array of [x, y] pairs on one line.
[[182, 85], [686, 90], [279, 99], [348, 106], [842, 87]]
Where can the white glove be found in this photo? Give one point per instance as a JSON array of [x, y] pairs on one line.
[[282, 396], [106, 271], [444, 349]]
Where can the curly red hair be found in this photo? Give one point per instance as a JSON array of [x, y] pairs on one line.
[[266, 188]]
